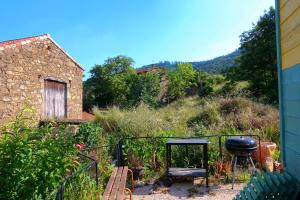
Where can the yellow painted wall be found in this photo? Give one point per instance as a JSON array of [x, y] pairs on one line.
[[290, 32]]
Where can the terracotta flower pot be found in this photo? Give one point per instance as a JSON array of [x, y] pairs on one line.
[[266, 149]]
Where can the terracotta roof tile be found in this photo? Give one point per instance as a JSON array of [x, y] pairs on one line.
[[87, 116]]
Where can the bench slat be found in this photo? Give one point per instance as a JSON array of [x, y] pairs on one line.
[[110, 184], [113, 194], [122, 184]]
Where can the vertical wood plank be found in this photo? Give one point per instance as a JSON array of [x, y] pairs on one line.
[[54, 99]]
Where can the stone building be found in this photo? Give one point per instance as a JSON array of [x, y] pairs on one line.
[[39, 71]]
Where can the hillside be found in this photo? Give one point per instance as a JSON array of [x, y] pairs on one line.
[[215, 65]]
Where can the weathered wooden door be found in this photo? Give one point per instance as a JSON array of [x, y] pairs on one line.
[[55, 99]]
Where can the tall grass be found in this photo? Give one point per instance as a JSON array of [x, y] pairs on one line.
[[146, 121], [193, 116]]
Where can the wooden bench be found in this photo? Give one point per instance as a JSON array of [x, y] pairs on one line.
[[116, 186]]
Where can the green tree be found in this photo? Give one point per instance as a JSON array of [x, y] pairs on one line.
[[257, 62], [116, 83], [146, 88], [205, 83], [109, 83], [181, 80]]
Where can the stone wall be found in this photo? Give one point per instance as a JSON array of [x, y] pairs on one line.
[[23, 69]]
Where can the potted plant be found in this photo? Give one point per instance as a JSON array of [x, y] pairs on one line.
[[136, 165], [264, 151], [223, 167]]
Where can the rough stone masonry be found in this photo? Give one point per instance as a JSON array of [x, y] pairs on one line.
[[25, 64]]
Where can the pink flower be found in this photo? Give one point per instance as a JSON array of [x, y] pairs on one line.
[[80, 146]]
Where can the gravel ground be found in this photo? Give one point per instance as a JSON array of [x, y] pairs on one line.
[[186, 191]]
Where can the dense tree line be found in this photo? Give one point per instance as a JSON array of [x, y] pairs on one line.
[[213, 66]]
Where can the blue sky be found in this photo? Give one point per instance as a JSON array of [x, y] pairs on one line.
[[146, 30]]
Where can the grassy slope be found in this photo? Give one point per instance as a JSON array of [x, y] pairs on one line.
[[194, 116]]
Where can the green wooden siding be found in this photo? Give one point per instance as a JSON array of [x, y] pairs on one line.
[[293, 162], [291, 119]]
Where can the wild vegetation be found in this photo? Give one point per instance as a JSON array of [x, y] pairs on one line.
[[189, 117], [34, 160]]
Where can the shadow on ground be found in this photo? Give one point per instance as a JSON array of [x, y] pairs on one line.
[[186, 190]]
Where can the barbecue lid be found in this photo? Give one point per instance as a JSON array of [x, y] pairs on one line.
[[241, 142]]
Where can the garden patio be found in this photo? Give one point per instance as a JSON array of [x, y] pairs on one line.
[[159, 134]]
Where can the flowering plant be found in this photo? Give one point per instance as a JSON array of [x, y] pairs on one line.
[[80, 146]]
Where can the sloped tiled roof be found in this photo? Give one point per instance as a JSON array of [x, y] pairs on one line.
[[146, 69], [28, 40], [87, 116]]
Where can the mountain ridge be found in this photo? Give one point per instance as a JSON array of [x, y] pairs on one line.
[[215, 65]]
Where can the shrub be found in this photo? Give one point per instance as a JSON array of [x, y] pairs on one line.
[[209, 116], [89, 134], [199, 129], [145, 88], [229, 129], [82, 186], [181, 80], [271, 132], [33, 160], [234, 105], [205, 84], [148, 153], [235, 89], [242, 121]]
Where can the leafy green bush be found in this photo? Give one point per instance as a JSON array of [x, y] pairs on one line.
[[229, 129], [145, 88], [148, 153], [208, 116], [235, 89], [181, 79], [89, 133], [82, 187], [33, 160], [205, 84], [213, 156], [271, 132]]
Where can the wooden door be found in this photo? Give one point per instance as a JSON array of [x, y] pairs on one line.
[[55, 99]]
